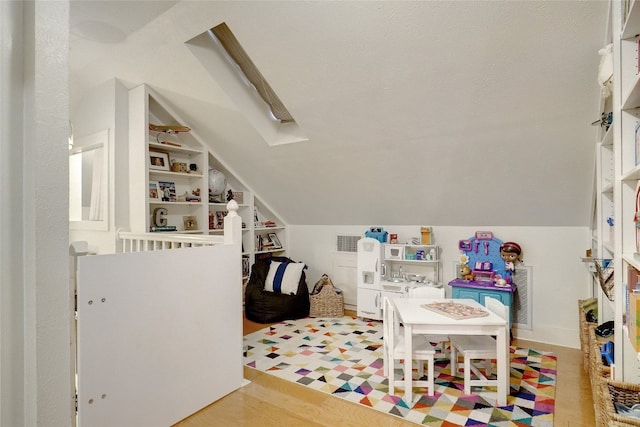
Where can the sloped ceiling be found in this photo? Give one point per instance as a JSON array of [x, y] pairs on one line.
[[434, 112]]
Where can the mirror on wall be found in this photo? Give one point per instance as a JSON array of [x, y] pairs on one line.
[[88, 182]]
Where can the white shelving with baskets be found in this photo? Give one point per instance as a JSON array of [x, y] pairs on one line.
[[619, 177]]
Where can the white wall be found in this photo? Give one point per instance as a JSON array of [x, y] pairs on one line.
[[35, 301], [106, 106], [559, 276]]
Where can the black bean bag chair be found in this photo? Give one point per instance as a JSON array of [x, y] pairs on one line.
[[265, 306]]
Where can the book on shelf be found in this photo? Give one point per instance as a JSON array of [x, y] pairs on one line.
[[155, 228]]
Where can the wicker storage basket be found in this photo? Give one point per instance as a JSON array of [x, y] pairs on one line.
[[599, 374], [620, 392], [328, 302], [585, 344]]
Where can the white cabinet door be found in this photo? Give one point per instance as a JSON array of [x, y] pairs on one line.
[[369, 304]]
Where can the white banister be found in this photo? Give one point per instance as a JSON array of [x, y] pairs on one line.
[[138, 242], [232, 225]]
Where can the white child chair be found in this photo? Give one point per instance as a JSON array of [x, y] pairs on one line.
[[393, 349], [474, 347], [440, 341]]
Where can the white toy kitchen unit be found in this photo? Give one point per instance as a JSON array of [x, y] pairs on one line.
[[390, 270]]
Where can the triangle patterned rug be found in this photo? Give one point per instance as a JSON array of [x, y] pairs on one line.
[[343, 357]]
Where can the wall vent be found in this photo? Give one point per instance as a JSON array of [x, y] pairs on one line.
[[523, 297], [348, 243]]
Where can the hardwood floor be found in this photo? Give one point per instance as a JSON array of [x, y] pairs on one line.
[[269, 401]]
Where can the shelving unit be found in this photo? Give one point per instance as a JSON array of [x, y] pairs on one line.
[[194, 158], [619, 198], [408, 259]]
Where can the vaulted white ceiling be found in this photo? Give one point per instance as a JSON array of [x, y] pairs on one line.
[[451, 113]]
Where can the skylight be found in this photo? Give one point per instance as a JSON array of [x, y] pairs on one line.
[[229, 64], [250, 72]]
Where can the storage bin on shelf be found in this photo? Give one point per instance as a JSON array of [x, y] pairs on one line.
[[620, 392], [599, 374], [583, 307]]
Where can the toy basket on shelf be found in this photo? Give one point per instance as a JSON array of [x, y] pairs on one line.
[[583, 307], [623, 393], [326, 299], [599, 374]]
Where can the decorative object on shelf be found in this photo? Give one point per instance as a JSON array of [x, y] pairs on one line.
[[269, 223], [377, 233], [256, 218], [193, 197], [180, 167], [158, 160], [157, 228], [217, 185], [238, 196], [159, 218], [605, 70], [427, 237], [274, 239], [190, 222], [605, 120], [219, 222], [169, 128], [167, 191], [154, 191]]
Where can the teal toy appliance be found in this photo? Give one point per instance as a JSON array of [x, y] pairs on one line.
[[377, 233]]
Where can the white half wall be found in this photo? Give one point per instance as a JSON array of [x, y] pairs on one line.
[[554, 253]]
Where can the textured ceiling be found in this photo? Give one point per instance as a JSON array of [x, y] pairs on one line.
[[441, 113]]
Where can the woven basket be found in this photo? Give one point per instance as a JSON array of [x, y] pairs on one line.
[[625, 393], [584, 335], [585, 344], [328, 302], [599, 374]]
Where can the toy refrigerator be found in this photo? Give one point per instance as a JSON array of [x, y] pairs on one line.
[[370, 272]]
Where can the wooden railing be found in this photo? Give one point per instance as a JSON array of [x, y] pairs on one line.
[[138, 242]]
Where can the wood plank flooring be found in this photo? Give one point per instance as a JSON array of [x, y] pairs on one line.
[[269, 401]]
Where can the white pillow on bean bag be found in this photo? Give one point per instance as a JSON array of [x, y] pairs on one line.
[[284, 277]]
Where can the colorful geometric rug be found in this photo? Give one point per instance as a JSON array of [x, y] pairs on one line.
[[343, 357]]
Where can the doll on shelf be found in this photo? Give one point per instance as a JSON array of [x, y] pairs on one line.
[[510, 252]]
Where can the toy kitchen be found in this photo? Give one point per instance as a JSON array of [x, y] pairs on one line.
[[487, 267], [391, 270]]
